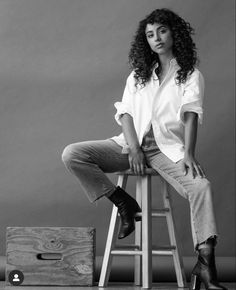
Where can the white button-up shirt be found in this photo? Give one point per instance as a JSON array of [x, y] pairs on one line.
[[163, 107]]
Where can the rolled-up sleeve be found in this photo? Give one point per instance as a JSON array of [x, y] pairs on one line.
[[125, 106], [192, 98]]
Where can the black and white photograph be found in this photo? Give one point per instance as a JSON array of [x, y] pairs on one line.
[[117, 144]]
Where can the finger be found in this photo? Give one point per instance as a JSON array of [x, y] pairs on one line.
[[142, 169], [131, 166], [199, 173], [202, 171], [184, 169], [199, 170], [135, 169], [192, 170], [139, 168]]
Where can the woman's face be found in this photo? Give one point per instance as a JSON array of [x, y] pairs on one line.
[[159, 38]]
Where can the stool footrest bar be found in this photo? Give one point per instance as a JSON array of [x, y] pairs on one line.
[[156, 212], [130, 250], [126, 252], [160, 212], [162, 253]]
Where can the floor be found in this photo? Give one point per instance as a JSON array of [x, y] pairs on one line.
[[111, 286]]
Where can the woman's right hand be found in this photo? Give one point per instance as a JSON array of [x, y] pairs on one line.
[[136, 157], [137, 161]]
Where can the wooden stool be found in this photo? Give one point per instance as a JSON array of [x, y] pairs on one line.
[[143, 249]]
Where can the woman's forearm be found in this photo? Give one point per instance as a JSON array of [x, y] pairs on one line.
[[129, 131], [136, 156], [189, 162], [191, 122]]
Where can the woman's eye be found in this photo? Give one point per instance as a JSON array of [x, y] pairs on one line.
[[150, 35], [163, 31]]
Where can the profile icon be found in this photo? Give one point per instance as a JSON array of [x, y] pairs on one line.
[[16, 277]]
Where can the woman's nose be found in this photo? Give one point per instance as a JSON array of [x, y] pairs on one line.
[[157, 38]]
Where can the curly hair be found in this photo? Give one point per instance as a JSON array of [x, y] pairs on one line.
[[142, 59]]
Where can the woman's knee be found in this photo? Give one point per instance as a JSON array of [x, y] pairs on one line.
[[200, 190], [73, 151], [67, 154], [203, 186]]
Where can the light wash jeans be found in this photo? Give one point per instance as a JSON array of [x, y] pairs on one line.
[[90, 160]]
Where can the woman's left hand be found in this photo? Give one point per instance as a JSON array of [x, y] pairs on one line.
[[189, 163]]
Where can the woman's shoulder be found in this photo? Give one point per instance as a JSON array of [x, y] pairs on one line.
[[195, 76], [130, 77], [131, 81], [196, 72]]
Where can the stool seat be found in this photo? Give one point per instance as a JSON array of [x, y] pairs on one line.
[[148, 171], [143, 250]]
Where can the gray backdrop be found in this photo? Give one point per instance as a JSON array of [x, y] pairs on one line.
[[63, 64]]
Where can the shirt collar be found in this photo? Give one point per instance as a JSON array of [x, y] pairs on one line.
[[173, 63]]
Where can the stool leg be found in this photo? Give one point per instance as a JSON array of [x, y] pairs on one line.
[[138, 232], [111, 239], [146, 232], [178, 262]]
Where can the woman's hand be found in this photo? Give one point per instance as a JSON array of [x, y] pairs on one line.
[[189, 163], [137, 161], [136, 157]]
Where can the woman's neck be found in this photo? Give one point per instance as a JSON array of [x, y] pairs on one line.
[[165, 60]]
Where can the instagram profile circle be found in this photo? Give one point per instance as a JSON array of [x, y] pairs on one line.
[[16, 277]]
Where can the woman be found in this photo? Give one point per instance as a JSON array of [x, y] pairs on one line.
[[159, 115]]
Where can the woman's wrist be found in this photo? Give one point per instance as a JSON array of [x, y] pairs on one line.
[[189, 153], [134, 147]]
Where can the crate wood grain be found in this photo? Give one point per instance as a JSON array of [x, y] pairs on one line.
[[51, 255]]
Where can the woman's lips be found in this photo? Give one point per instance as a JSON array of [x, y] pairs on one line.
[[159, 45]]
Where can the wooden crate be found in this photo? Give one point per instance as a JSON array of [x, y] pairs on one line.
[[51, 255]]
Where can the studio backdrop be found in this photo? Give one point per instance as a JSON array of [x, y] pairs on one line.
[[63, 65]]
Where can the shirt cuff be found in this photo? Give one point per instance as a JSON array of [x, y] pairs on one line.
[[190, 107], [122, 108]]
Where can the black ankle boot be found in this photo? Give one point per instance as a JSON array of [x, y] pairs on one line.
[[205, 271], [127, 208]]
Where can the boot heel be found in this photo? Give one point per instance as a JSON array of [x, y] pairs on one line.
[[138, 218], [138, 210], [195, 283]]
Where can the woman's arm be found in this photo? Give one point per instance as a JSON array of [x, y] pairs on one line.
[[189, 161], [136, 156]]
